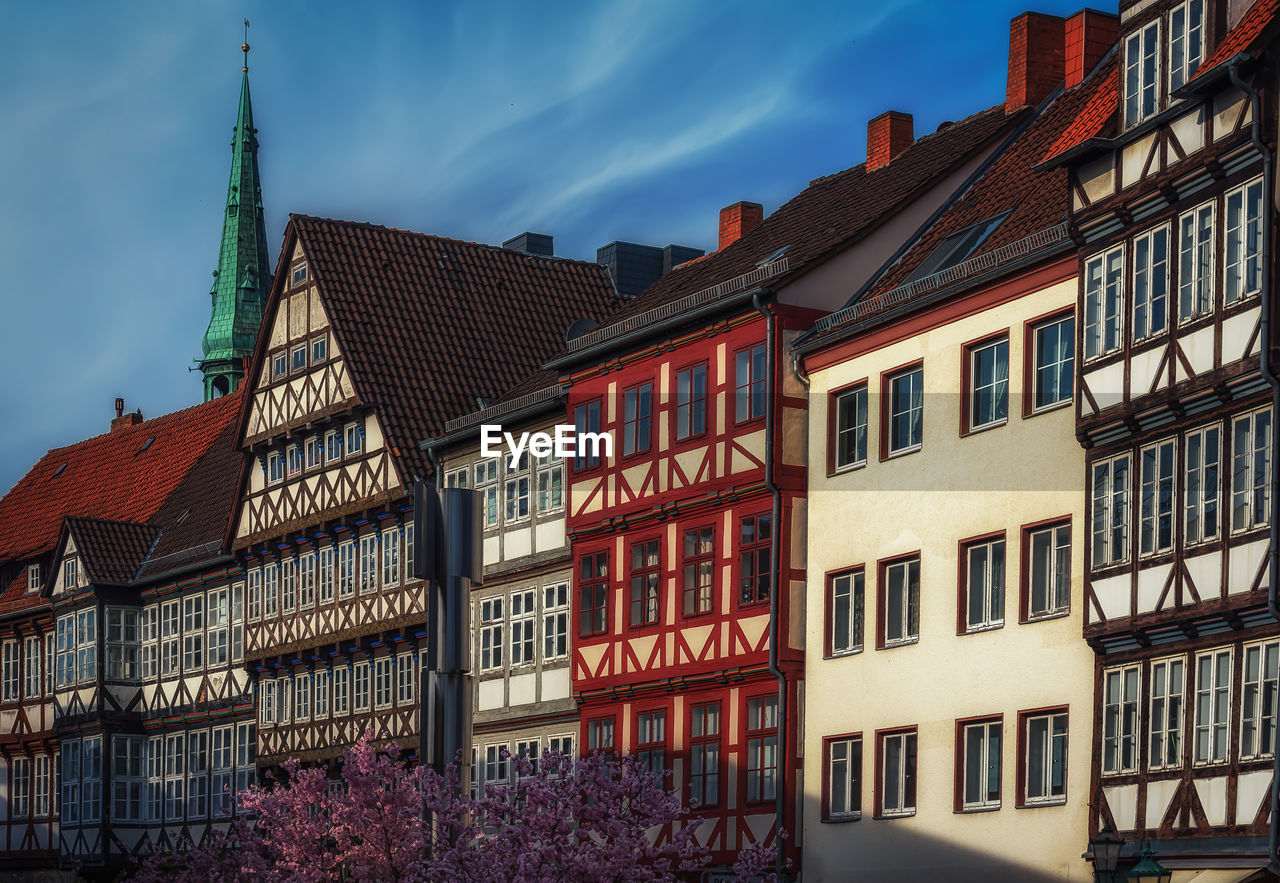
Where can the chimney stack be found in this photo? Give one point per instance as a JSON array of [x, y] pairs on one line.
[[123, 420], [531, 243], [634, 268], [1089, 36], [887, 136], [1036, 58], [738, 220]]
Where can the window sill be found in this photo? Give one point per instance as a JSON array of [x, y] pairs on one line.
[[840, 820], [978, 430], [1045, 617], [975, 810], [849, 467], [841, 654], [906, 642], [1041, 804], [902, 452], [1049, 408], [904, 814], [979, 629]]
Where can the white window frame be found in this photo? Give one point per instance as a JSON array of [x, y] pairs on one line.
[[850, 585], [391, 558], [1197, 249], [1202, 481], [1213, 707], [492, 626], [1157, 496], [993, 584], [193, 633], [341, 691], [217, 627], [1242, 242], [1142, 85], [914, 411], [1111, 510], [1104, 303], [988, 736], [307, 580], [254, 579], [346, 569], [1167, 713], [383, 694], [1259, 682], [404, 679], [326, 556], [1120, 722], [908, 636], [1150, 283], [31, 669], [368, 564], [555, 621], [1048, 745], [270, 589], [995, 386], [900, 809], [1185, 32], [1251, 491], [523, 617], [361, 685], [857, 427], [353, 438]]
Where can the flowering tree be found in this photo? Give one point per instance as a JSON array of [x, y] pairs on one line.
[[596, 818]]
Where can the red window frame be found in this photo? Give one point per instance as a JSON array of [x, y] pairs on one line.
[[962, 583], [878, 786], [882, 589], [581, 464], [690, 564], [600, 721], [1024, 718], [1024, 570], [754, 386], [704, 741], [959, 767], [753, 553], [679, 406], [592, 573], [632, 424], [656, 742], [967, 379], [826, 776], [650, 578], [761, 734], [828, 620]]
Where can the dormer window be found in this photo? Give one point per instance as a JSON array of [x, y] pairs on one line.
[[299, 274], [70, 573], [1186, 42], [1141, 71], [33, 577]]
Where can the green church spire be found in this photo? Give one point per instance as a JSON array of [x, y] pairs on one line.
[[243, 277]]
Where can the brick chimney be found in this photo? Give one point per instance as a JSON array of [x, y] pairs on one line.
[[738, 220], [123, 420], [1036, 58], [1089, 36], [888, 135]]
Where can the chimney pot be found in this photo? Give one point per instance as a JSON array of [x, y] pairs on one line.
[[119, 406], [887, 136], [1036, 58], [738, 220], [1089, 35]]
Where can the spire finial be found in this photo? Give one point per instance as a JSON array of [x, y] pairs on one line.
[[244, 47]]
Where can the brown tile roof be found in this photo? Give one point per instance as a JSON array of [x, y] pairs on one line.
[[111, 551], [428, 324], [834, 212], [1243, 36], [1036, 198]]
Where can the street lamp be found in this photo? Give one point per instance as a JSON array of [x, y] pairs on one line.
[[1148, 870], [1104, 849]]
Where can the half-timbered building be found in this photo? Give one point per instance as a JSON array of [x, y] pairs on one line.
[[373, 339], [688, 551], [1173, 204], [944, 525]]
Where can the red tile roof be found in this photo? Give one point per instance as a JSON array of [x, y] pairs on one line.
[[108, 476], [429, 324], [834, 212], [1096, 114], [1241, 38]]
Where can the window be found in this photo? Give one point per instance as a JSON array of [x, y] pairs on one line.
[[495, 763], [955, 248], [122, 644], [651, 741], [1203, 453], [593, 589], [219, 617], [637, 405], [843, 780], [517, 498], [1111, 511], [1155, 533], [698, 570], [1251, 470], [1048, 573], [486, 473], [70, 574], [988, 388], [1053, 344], [646, 583], [1167, 685], [174, 771], [382, 682], [149, 628], [360, 679], [70, 781], [905, 417], [979, 756], [755, 558], [294, 454], [1044, 740], [284, 699], [237, 622], [341, 691], [368, 564], [326, 574], [491, 627], [849, 430], [302, 697], [347, 569], [556, 622], [1186, 42], [32, 670], [33, 577], [332, 446], [1195, 268], [1103, 298], [1258, 702], [354, 438], [1141, 72], [1213, 706], [288, 584], [198, 774], [1120, 720], [319, 349], [221, 765], [1150, 283], [279, 365], [321, 688], [982, 585], [561, 745], [246, 757], [586, 418], [270, 589], [66, 631], [486, 484], [691, 402], [12, 662], [91, 779], [20, 795], [192, 633], [1243, 242], [704, 754], [408, 552], [87, 645], [550, 486], [844, 612], [523, 622], [315, 452], [404, 680], [896, 768], [267, 702], [762, 748], [898, 609], [42, 789], [749, 380], [391, 557], [275, 467], [254, 578], [299, 274], [600, 734]]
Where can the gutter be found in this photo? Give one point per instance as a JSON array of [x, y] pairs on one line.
[[775, 588], [1264, 365]]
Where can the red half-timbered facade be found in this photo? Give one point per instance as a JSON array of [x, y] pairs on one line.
[[1175, 220]]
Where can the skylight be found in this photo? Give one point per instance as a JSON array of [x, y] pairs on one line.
[[146, 444], [956, 247], [59, 470], [773, 257]]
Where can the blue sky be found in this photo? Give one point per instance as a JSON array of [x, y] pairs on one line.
[[588, 121]]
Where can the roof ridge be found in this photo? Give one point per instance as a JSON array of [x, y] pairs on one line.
[[97, 520], [447, 239]]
